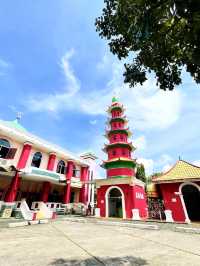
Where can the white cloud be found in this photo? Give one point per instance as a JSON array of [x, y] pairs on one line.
[[166, 168], [163, 164], [64, 98], [148, 165], [73, 85], [140, 143], [147, 107], [12, 108], [164, 159], [4, 66], [93, 122], [196, 162], [105, 62]]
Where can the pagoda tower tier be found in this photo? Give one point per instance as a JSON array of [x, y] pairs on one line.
[[121, 194], [118, 119], [118, 134]]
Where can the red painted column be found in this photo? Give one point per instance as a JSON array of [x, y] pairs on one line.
[[24, 156], [51, 162], [67, 191], [84, 190], [47, 185], [45, 191], [12, 191]]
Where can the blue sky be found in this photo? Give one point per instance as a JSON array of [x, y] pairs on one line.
[[60, 74]]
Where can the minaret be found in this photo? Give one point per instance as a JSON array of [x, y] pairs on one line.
[[121, 194], [119, 163]]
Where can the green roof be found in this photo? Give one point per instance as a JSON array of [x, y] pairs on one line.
[[14, 124]]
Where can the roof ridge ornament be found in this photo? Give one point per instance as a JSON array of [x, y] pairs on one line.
[[115, 99], [19, 116]]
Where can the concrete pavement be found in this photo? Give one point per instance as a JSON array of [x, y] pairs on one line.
[[71, 243]]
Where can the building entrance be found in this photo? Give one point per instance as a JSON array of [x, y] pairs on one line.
[[191, 195], [115, 203]]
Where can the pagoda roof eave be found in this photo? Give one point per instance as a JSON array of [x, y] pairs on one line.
[[107, 146], [181, 180], [121, 107], [124, 180], [114, 131], [123, 118], [119, 159]]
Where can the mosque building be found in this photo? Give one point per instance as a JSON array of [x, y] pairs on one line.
[[34, 170]]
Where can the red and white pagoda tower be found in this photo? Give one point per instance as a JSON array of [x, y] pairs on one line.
[[120, 194]]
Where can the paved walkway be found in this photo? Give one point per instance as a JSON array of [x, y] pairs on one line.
[[71, 243]]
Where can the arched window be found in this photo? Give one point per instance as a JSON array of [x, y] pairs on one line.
[[4, 148], [61, 167], [37, 157], [76, 171]]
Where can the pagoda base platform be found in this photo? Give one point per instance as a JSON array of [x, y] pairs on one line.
[[121, 197]]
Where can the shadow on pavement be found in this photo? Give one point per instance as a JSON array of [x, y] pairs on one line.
[[117, 261]]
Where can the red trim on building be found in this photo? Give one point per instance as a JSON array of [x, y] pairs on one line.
[[132, 201], [84, 190], [67, 189], [15, 183]]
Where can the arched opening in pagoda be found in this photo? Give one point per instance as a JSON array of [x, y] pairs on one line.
[[191, 196], [115, 206]]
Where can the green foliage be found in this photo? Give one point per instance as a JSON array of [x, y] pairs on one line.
[[140, 174], [157, 174], [154, 175], [163, 36]]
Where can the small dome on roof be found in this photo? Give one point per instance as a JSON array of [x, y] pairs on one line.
[[14, 124]]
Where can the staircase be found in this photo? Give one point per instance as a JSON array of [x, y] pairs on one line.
[[25, 211]]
